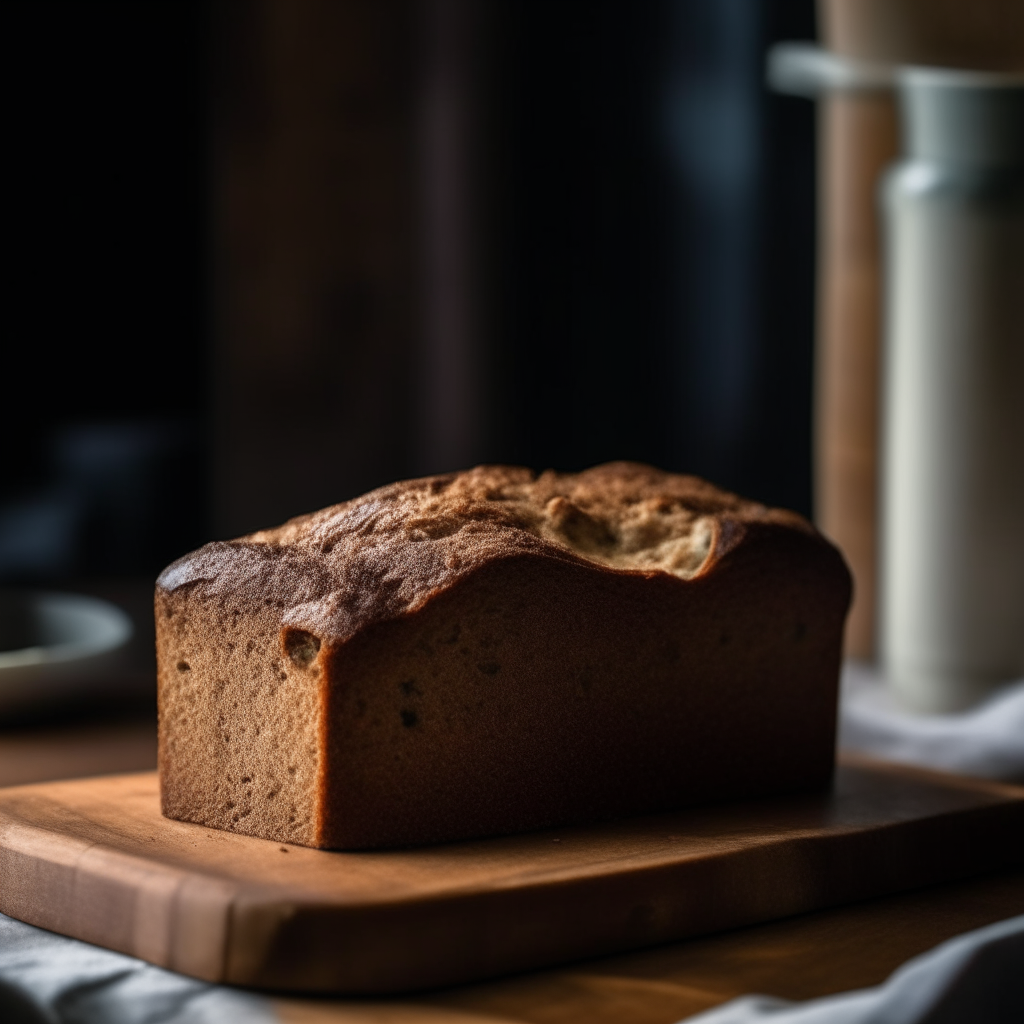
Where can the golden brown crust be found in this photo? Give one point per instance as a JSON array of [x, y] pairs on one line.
[[338, 571]]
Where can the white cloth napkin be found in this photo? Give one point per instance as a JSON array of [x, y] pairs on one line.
[[976, 978], [50, 979], [987, 740]]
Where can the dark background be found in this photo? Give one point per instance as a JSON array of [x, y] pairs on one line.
[[106, 329], [658, 211], [642, 225]]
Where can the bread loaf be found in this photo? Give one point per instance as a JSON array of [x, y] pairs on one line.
[[491, 652]]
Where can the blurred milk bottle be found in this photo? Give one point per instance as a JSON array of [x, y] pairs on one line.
[[953, 420]]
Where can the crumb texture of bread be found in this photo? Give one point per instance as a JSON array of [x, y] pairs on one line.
[[494, 651], [239, 747]]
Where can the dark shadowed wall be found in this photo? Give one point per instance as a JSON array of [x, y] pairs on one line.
[[271, 253]]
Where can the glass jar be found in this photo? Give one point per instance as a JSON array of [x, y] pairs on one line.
[[953, 408]]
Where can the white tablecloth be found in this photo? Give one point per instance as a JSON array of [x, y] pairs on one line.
[[48, 979], [987, 741], [977, 978]]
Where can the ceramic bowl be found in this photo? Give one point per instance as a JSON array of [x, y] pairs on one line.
[[52, 644]]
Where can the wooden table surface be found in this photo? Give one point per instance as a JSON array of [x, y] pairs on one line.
[[799, 958]]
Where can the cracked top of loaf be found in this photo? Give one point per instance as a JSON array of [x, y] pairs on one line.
[[382, 555]]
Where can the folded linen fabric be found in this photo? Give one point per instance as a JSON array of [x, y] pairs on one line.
[[49, 979], [986, 741], [977, 977]]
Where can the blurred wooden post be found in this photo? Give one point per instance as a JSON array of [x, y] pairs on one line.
[[859, 138], [314, 250], [452, 45]]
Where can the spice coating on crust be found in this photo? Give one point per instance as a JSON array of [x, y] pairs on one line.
[[385, 554]]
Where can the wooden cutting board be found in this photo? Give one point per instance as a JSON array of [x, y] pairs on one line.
[[95, 860]]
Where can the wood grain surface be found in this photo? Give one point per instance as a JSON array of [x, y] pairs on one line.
[[95, 860], [858, 136]]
